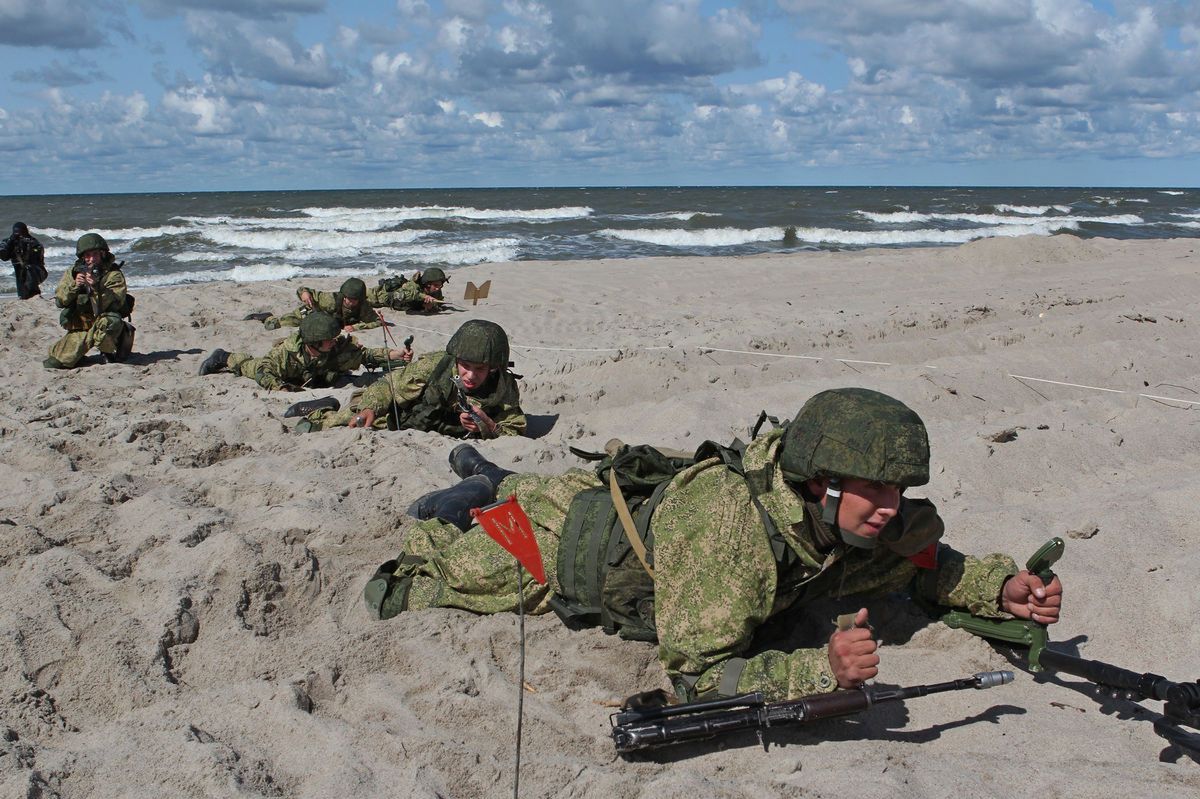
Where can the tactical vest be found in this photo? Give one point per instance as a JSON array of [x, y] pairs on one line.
[[602, 582], [435, 409]]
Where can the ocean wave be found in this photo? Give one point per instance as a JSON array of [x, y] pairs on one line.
[[713, 237], [1035, 210], [124, 235], [350, 224], [404, 213], [1186, 214], [308, 240], [910, 217], [1172, 193], [1189, 225]]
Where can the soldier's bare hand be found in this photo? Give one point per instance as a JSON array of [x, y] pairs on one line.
[[306, 298], [348, 328], [852, 653], [429, 302], [1026, 597], [364, 418]]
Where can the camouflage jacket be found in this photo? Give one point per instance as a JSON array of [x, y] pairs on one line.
[[425, 397], [361, 318], [289, 364], [110, 296], [717, 579], [408, 295]]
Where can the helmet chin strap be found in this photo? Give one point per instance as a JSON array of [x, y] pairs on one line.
[[833, 501]]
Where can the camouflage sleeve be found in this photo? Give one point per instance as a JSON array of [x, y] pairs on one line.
[[403, 384], [378, 296], [325, 302], [408, 293], [963, 581], [66, 293], [715, 585], [271, 370], [112, 292], [510, 421], [6, 249], [369, 320], [375, 357]]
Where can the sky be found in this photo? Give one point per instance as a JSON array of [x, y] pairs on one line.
[[212, 95]]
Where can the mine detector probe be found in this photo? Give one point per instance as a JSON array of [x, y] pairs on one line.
[[1180, 719]]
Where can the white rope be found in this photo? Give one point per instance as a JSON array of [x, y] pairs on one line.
[[814, 358]]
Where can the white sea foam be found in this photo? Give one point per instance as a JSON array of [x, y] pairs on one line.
[[125, 235], [60, 252], [713, 237], [1172, 193], [908, 217], [1186, 215], [456, 212], [351, 224], [893, 217], [1190, 225], [1021, 209], [727, 237], [308, 240]]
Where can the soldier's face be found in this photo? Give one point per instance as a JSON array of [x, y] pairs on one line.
[[473, 374], [93, 257], [350, 303], [867, 506], [321, 347], [434, 286]]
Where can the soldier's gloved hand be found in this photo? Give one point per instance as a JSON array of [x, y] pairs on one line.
[[852, 653], [1026, 597], [364, 418]]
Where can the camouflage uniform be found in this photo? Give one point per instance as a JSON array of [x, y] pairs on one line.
[[90, 325], [404, 294], [425, 398], [361, 318], [717, 579], [289, 364]]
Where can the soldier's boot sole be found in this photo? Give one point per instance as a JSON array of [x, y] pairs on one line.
[[453, 505], [260, 316], [215, 362], [308, 406]]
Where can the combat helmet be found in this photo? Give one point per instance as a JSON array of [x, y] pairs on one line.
[[480, 341], [432, 275], [90, 241], [318, 326], [855, 432], [353, 289]]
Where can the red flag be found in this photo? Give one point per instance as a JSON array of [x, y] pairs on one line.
[[508, 525]]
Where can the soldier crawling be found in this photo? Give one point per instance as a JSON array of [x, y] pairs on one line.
[[811, 511], [467, 390], [348, 305], [420, 293], [314, 356]]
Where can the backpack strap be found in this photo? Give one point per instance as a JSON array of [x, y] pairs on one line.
[[631, 531]]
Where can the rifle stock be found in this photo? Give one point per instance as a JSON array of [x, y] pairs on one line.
[[651, 728]]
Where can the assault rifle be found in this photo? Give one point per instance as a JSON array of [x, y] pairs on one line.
[[465, 406], [653, 727], [1181, 707]]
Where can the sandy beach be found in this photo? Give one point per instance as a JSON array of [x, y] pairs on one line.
[[180, 573]]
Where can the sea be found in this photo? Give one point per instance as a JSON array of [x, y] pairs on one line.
[[201, 237]]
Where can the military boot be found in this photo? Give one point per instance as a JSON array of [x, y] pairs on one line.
[[215, 362], [454, 504], [260, 316], [466, 461], [308, 406], [54, 363]]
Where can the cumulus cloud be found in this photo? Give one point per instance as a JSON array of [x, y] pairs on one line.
[[56, 73], [261, 51], [61, 24]]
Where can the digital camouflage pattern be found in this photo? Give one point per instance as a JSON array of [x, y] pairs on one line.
[[480, 341], [85, 327], [401, 294], [362, 317], [717, 579], [856, 432], [425, 399], [289, 364]]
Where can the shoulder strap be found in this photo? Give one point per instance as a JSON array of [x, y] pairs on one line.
[[635, 540]]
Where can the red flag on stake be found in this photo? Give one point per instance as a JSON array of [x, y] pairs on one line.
[[508, 525]]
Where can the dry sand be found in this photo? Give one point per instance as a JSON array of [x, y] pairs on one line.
[[180, 574]]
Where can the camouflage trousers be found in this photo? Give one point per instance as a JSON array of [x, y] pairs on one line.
[[241, 363], [472, 572], [104, 334], [287, 320]]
